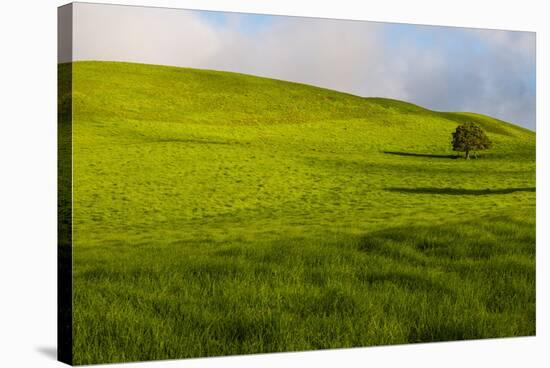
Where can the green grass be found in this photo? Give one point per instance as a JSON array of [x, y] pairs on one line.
[[219, 213]]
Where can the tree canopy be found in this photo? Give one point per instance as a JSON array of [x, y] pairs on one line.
[[469, 137]]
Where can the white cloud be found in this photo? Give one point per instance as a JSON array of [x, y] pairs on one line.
[[486, 71], [319, 52], [146, 35]]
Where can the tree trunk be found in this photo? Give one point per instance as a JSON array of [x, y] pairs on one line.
[[467, 154]]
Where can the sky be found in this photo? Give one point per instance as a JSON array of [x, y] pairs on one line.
[[441, 68]]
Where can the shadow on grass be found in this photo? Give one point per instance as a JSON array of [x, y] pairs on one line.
[[419, 154], [459, 191]]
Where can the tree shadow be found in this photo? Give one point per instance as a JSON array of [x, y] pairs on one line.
[[459, 191], [419, 154]]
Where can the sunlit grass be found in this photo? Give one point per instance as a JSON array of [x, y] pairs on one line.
[[218, 213]]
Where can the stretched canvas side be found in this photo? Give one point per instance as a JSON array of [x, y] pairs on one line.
[[64, 182]]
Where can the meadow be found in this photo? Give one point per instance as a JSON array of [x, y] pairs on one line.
[[218, 213]]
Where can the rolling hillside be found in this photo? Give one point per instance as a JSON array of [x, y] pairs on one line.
[[219, 213]]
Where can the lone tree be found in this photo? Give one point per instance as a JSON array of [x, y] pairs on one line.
[[470, 137]]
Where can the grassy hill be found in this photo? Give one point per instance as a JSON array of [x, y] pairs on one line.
[[219, 213]]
